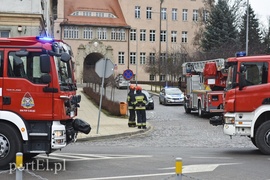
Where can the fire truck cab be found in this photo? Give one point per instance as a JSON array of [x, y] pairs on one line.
[[247, 100], [38, 101]]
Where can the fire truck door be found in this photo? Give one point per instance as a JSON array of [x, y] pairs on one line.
[[23, 88]]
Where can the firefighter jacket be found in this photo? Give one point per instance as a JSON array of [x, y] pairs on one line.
[[140, 101], [131, 99]]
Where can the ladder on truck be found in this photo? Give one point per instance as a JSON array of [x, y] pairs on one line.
[[198, 66]]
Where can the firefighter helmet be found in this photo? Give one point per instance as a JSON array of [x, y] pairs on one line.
[[138, 88], [132, 87]]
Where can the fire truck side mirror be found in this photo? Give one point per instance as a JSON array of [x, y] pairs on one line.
[[45, 64], [65, 57]]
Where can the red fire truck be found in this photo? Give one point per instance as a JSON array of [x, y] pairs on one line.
[[38, 101], [247, 100], [205, 81]]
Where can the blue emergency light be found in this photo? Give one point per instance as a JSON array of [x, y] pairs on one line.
[[45, 39], [241, 54]]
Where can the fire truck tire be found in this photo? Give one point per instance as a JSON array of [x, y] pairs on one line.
[[262, 138], [10, 144], [200, 111]]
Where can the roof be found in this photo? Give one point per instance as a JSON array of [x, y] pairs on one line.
[[103, 6]]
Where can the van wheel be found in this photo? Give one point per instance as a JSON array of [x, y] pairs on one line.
[[200, 111], [262, 138], [10, 144]]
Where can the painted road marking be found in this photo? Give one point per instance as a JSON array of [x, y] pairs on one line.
[[86, 157], [186, 169]]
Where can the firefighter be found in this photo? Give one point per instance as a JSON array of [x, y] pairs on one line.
[[131, 106], [140, 103]]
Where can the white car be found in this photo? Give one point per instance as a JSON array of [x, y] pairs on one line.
[[121, 82], [171, 95]]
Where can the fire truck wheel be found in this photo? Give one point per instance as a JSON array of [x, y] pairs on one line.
[[200, 111], [10, 144], [262, 138]]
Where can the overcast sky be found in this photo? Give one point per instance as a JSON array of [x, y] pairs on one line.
[[261, 9]]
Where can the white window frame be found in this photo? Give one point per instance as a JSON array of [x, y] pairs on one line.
[[184, 37], [152, 58], [148, 12], [113, 34], [185, 15], [132, 58], [195, 15], [174, 14], [142, 58], [71, 32], [121, 57], [137, 12], [163, 13], [163, 36], [174, 36], [133, 34], [152, 36], [87, 33], [142, 35]]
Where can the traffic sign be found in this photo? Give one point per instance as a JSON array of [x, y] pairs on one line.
[[104, 68], [128, 74]]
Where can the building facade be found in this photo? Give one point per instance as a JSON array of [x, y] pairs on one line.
[[129, 32], [26, 18]]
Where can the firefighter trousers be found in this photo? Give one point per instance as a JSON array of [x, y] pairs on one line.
[[141, 118], [131, 119]]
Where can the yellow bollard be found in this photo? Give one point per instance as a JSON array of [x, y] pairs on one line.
[[178, 168], [19, 166], [19, 160]]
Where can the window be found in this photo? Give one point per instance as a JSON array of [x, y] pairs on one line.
[[173, 36], [195, 15], [184, 36], [163, 13], [27, 67], [151, 77], [4, 34], [71, 32], [184, 14], [132, 58], [137, 12], [113, 34], [122, 35], [152, 58], [88, 33], [102, 33], [205, 15], [152, 36], [162, 58], [255, 73], [142, 58], [163, 36], [133, 34], [162, 77], [174, 14], [149, 13], [121, 58], [142, 35]]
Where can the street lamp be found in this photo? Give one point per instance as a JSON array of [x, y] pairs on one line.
[[247, 28]]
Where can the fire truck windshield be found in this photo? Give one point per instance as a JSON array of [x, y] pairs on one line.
[[64, 71]]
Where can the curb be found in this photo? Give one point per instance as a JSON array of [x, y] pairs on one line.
[[139, 131]]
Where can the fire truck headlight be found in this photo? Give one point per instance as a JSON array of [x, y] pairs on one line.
[[58, 133], [229, 120]]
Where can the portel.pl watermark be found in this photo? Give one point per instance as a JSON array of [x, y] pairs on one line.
[[40, 165]]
